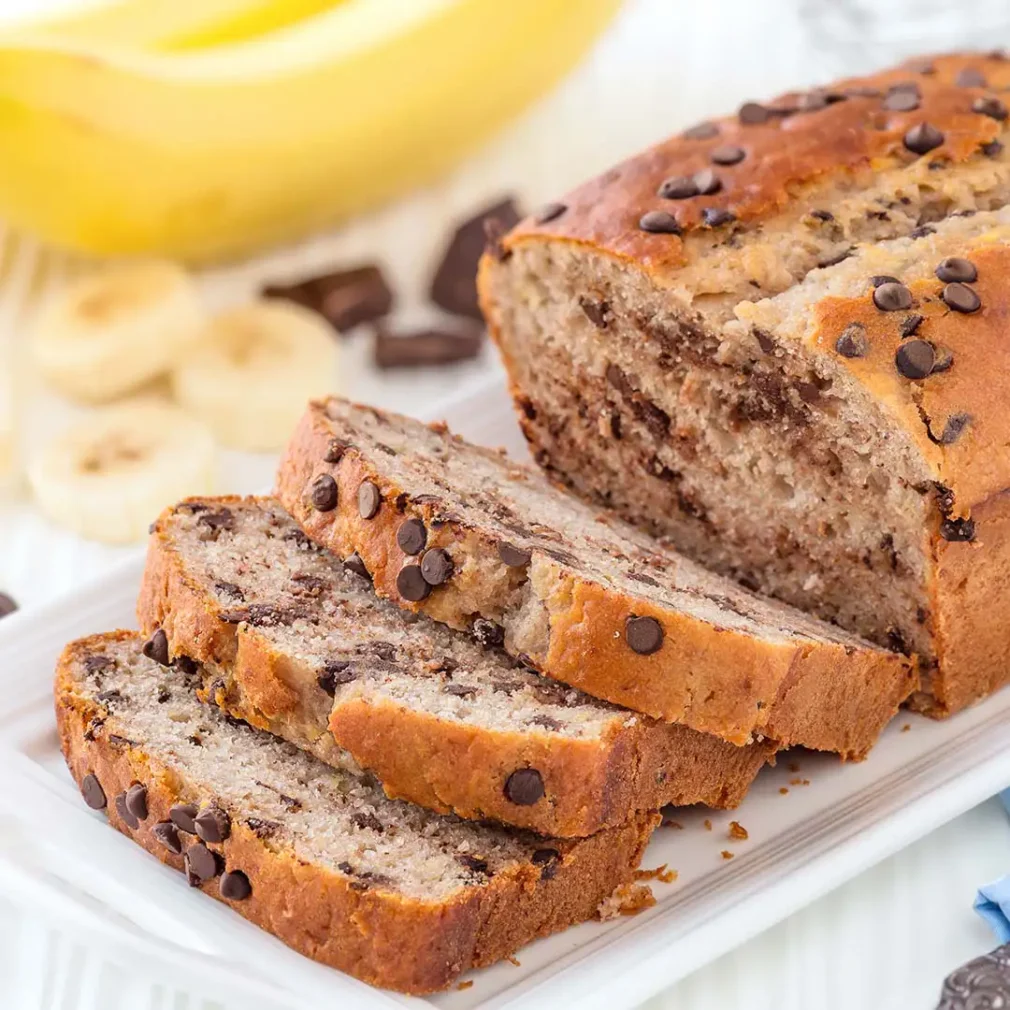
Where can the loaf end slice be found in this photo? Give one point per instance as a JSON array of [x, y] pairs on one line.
[[390, 893], [576, 593], [293, 642]]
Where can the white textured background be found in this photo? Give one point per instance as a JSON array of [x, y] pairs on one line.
[[885, 940]]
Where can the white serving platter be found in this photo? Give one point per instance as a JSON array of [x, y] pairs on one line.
[[812, 822]]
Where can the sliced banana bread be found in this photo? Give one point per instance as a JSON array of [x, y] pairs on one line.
[[386, 891], [292, 642], [479, 542], [780, 339]]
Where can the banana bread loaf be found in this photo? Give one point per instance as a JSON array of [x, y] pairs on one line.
[[293, 643], [484, 544], [780, 339], [386, 891]]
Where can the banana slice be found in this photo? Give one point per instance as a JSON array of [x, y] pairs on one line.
[[110, 475], [109, 333], [254, 370]]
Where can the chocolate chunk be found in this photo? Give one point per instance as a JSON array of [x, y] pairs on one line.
[[923, 138], [970, 77], [902, 98], [991, 107], [715, 217], [235, 886], [514, 557], [96, 664], [125, 814], [487, 633], [323, 493], [681, 188], [183, 816], [644, 634], [707, 182], [346, 298], [411, 584], [703, 131], [353, 563], [93, 793], [909, 325], [417, 348], [524, 787], [369, 821], [369, 499], [334, 673], [460, 690], [892, 297], [753, 114], [961, 298], [547, 860], [201, 863], [659, 222], [853, 342], [156, 648], [436, 566], [335, 451], [213, 825], [727, 154], [454, 286], [136, 801], [992, 149], [7, 605], [958, 530], [549, 212], [954, 268], [597, 312], [168, 834], [412, 536], [915, 359], [952, 430]]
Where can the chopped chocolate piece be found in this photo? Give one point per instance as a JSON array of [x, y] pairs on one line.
[[201, 863], [125, 814], [961, 298], [7, 605], [970, 77], [93, 793], [549, 212], [367, 821], [954, 268], [353, 563], [323, 493], [915, 359], [168, 834], [183, 816], [681, 188], [923, 138], [715, 217], [659, 222], [454, 286], [524, 787], [853, 342], [136, 801], [489, 634], [436, 566], [334, 673], [514, 557], [643, 634], [411, 536], [369, 499], [426, 347], [909, 325], [707, 182], [346, 298], [472, 863], [411, 585], [213, 825], [958, 530], [727, 154], [235, 886], [156, 647], [892, 297], [95, 663], [703, 131], [597, 312]]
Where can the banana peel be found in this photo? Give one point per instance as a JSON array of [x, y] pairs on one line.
[[215, 153]]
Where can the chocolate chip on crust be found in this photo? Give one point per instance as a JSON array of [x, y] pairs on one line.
[[707, 182], [411, 584], [992, 148], [958, 530], [201, 864], [902, 98], [136, 801], [961, 298], [727, 154], [412, 536], [644, 635], [909, 325], [323, 493], [93, 793], [715, 217], [915, 359], [436, 566], [235, 886], [524, 787], [156, 648], [168, 834], [681, 188], [892, 297], [753, 114], [923, 138], [335, 451], [514, 557], [125, 814], [213, 825], [369, 499], [659, 222], [853, 342], [991, 107], [970, 77], [183, 816], [955, 268]]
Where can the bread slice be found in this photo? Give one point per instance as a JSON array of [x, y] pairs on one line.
[[294, 643], [388, 892], [577, 594], [740, 386]]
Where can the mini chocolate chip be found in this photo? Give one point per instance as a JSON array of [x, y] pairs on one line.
[[901, 98], [335, 451], [707, 182], [659, 222], [909, 325], [923, 138], [681, 188], [156, 647], [436, 566], [991, 107], [549, 212], [961, 298], [369, 499], [970, 77], [411, 584], [125, 814], [915, 359], [324, 493], [952, 430], [168, 834], [7, 604], [93, 793], [958, 530], [892, 297], [644, 634], [201, 863], [853, 342], [703, 131], [954, 268], [353, 563], [487, 633], [136, 801], [514, 557], [412, 536], [213, 825], [877, 279], [235, 886], [183, 816], [992, 149], [334, 673], [753, 114], [715, 217], [524, 787], [727, 154]]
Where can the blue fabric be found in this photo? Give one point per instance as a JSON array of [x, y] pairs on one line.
[[993, 901]]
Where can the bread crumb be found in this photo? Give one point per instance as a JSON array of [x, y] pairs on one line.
[[738, 832], [660, 873], [627, 899], [726, 854], [799, 782], [708, 824], [512, 959], [906, 727], [783, 790], [465, 985]]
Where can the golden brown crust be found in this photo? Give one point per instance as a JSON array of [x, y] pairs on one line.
[[716, 681], [439, 763], [378, 936]]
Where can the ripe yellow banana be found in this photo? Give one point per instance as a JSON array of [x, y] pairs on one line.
[[215, 152]]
